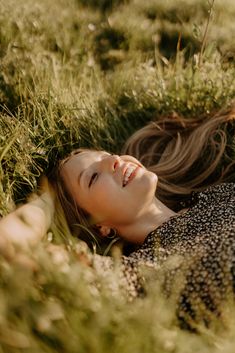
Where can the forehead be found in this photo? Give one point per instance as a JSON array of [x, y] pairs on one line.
[[81, 160]]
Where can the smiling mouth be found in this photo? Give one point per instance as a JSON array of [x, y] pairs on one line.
[[129, 174]]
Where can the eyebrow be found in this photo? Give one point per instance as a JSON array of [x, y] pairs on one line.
[[64, 161]]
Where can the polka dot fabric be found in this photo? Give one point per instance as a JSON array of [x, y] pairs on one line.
[[195, 251]]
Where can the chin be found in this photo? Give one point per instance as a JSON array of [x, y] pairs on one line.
[[153, 178], [150, 182]]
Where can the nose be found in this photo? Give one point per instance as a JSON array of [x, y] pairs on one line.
[[111, 162]]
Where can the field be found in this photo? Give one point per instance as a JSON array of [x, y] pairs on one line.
[[89, 73]]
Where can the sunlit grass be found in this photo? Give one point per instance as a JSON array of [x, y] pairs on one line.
[[89, 73]]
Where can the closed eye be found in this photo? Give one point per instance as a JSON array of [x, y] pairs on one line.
[[93, 177]]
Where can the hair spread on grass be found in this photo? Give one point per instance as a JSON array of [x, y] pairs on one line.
[[77, 218], [184, 153]]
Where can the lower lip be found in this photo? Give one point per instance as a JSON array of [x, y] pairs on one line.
[[132, 175]]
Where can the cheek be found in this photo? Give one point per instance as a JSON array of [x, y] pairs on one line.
[[106, 191], [103, 195], [108, 197]]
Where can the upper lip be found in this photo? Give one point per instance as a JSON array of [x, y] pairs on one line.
[[121, 168], [124, 168]]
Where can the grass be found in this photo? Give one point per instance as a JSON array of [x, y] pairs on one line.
[[89, 73]]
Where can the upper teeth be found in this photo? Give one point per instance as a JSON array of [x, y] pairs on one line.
[[127, 175]]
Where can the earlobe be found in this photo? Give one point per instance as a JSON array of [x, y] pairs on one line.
[[104, 230]]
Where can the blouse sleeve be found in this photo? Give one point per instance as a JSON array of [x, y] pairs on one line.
[[124, 273]]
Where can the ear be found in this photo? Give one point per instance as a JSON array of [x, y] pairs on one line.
[[104, 230]]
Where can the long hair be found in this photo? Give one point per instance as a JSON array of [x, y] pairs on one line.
[[77, 218], [186, 154]]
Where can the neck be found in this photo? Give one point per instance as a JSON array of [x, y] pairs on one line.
[[155, 215]]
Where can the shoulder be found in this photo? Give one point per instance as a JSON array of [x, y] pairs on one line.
[[210, 206], [216, 192], [219, 192], [221, 188]]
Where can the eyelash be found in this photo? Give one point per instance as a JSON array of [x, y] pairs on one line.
[[93, 178]]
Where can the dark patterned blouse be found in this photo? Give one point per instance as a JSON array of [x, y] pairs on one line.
[[194, 250]]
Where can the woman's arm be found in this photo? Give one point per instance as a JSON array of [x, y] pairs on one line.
[[28, 224]]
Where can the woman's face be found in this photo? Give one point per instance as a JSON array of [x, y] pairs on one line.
[[113, 189]]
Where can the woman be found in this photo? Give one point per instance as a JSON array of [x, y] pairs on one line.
[[161, 202]]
